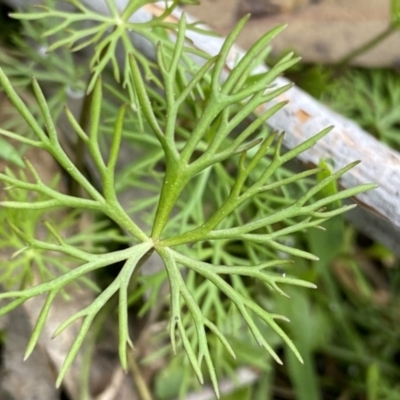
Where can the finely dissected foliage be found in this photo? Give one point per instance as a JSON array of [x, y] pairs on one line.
[[199, 136], [372, 98]]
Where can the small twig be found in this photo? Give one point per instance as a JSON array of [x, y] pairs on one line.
[[137, 376]]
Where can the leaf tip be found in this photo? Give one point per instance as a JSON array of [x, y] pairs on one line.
[[27, 354], [56, 333], [59, 381], [356, 162]]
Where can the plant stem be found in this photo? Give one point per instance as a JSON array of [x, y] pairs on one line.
[[174, 182], [365, 47], [79, 146], [137, 376], [114, 211]]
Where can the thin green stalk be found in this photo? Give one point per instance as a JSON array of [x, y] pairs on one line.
[[22, 108], [173, 184], [114, 210], [137, 376], [89, 121], [87, 360], [343, 62], [109, 170]]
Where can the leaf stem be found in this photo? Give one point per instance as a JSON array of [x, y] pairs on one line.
[[366, 46], [138, 378]]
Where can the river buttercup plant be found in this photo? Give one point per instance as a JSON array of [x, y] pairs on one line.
[[220, 203]]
